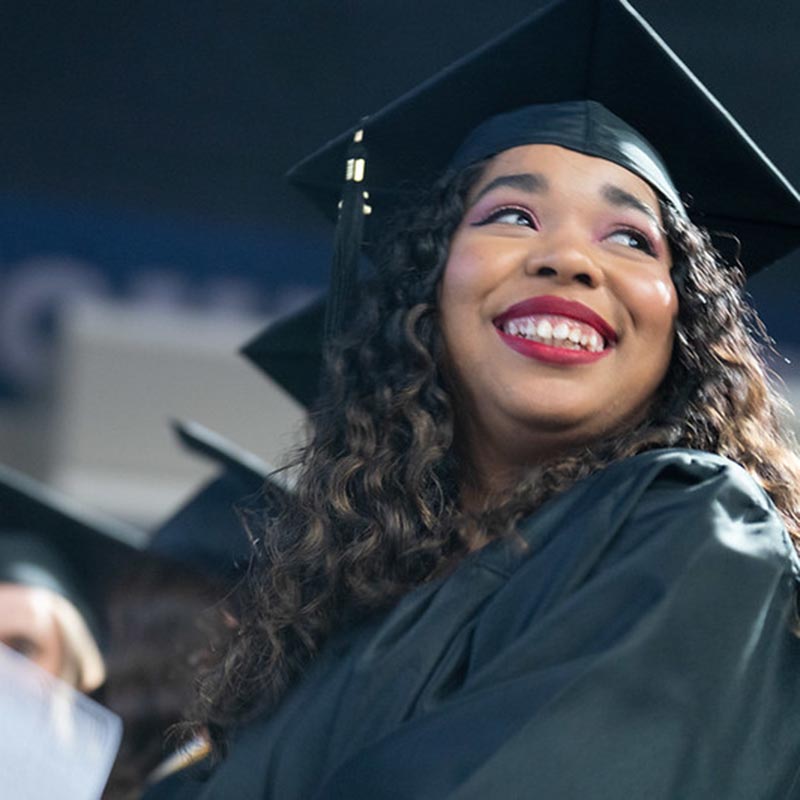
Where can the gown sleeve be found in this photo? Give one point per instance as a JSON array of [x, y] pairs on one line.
[[696, 695]]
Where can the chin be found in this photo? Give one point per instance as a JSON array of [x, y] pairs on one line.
[[573, 428], [558, 417]]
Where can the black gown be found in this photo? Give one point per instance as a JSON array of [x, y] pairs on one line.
[[636, 642]]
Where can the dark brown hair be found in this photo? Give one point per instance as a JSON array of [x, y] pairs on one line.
[[377, 507]]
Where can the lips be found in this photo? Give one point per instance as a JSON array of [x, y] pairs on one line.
[[556, 330], [559, 306]]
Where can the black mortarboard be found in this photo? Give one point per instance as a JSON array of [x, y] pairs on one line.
[[207, 533], [51, 541], [574, 50], [541, 83], [289, 350]]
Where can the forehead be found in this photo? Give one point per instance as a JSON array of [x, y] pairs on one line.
[[565, 169], [22, 600]]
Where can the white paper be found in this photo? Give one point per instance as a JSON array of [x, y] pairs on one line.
[[55, 743]]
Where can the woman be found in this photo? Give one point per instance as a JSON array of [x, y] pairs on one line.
[[56, 562], [541, 542], [46, 628]]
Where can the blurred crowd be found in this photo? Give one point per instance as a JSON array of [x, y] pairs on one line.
[[121, 615]]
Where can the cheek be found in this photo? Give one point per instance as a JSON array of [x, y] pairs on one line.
[[653, 303], [661, 304], [477, 263], [666, 296], [457, 287], [462, 273]]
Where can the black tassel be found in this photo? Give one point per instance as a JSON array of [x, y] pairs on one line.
[[343, 290]]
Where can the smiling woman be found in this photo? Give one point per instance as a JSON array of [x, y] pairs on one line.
[[543, 537], [557, 307]]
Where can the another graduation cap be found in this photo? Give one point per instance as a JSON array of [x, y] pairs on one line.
[[207, 533], [577, 73], [289, 350], [52, 542]]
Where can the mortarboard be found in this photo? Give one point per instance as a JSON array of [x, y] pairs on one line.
[[289, 350], [50, 541], [600, 50], [576, 54], [206, 533]]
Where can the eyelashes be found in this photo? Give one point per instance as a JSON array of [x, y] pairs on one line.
[[635, 239], [509, 215], [518, 216]]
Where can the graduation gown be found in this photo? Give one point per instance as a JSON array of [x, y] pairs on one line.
[[636, 642]]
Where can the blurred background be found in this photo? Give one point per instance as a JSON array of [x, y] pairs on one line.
[[146, 231]]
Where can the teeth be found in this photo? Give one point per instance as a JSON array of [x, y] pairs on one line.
[[544, 329], [561, 332]]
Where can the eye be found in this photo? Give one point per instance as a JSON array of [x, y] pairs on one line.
[[509, 215], [633, 239], [23, 645]]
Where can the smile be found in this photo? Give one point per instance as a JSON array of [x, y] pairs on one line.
[[556, 330]]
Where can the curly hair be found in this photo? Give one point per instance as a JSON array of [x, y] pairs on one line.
[[377, 508]]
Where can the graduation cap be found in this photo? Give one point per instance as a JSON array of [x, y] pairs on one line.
[[49, 541], [289, 350], [578, 73], [206, 533], [575, 50]]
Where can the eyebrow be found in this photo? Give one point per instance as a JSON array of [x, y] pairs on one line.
[[536, 183], [619, 197], [530, 182]]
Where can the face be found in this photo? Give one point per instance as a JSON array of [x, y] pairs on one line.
[[556, 304], [28, 625]]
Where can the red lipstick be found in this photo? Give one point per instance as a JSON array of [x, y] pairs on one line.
[[549, 304], [550, 354]]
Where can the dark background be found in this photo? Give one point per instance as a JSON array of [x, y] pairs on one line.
[[147, 140]]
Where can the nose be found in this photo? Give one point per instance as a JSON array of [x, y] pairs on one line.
[[563, 257]]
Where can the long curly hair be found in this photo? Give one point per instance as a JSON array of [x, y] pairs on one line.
[[377, 507]]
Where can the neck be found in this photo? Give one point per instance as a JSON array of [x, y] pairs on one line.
[[487, 479], [494, 467]]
